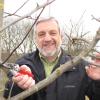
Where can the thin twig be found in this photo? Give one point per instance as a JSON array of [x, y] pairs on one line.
[[18, 9], [29, 17], [95, 18]]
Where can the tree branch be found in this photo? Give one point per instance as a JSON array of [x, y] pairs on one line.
[[91, 63], [9, 14], [95, 18], [18, 9]]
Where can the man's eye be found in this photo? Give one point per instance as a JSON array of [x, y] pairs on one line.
[[41, 34], [53, 33]]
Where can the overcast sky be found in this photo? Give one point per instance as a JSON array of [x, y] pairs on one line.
[[64, 10]]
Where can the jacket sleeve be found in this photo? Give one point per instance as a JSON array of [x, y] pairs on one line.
[[92, 87], [93, 90], [96, 90]]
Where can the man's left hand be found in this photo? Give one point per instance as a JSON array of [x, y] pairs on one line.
[[93, 72]]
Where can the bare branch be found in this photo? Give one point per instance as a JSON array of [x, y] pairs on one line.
[[94, 56], [84, 34], [90, 62], [17, 15], [82, 39], [95, 18], [17, 9]]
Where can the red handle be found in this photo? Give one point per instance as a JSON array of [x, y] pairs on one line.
[[24, 72]]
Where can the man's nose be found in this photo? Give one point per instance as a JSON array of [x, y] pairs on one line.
[[48, 37]]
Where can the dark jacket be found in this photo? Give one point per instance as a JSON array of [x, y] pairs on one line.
[[71, 85]]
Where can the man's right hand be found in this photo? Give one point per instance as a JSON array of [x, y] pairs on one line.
[[24, 81]]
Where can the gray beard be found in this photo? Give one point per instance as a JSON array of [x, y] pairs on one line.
[[49, 54]]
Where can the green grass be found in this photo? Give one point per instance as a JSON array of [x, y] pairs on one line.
[[3, 80]]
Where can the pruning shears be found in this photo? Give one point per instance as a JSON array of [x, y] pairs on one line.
[[15, 69]]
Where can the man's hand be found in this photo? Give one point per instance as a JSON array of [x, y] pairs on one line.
[[93, 71], [24, 78]]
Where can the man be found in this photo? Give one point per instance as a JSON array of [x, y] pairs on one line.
[[74, 84]]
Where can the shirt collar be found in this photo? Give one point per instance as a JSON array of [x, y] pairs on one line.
[[45, 60]]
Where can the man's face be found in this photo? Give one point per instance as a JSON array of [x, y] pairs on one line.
[[48, 38]]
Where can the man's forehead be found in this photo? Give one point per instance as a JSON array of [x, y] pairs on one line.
[[47, 26]]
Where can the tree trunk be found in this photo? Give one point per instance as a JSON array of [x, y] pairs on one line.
[[1, 23]]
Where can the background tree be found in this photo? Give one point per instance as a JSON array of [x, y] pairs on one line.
[[13, 35]]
